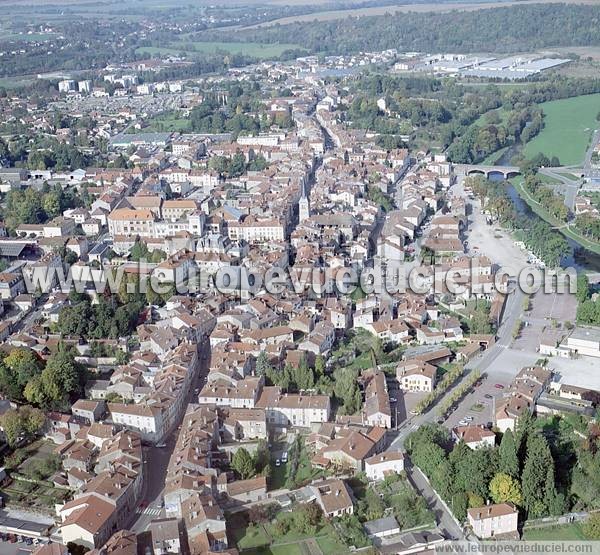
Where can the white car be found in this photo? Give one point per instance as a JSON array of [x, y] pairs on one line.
[[463, 423], [277, 462], [284, 457]]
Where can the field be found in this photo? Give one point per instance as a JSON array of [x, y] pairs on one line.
[[567, 532], [568, 126], [254, 49]]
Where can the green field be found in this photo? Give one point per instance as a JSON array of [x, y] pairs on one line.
[[567, 532], [168, 122], [568, 126], [190, 47]]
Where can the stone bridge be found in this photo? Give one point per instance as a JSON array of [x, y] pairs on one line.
[[489, 171]]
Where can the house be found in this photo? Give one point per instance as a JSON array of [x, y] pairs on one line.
[[379, 466], [382, 527], [334, 498], [377, 407], [247, 491], [92, 411], [474, 436], [245, 424], [509, 410], [416, 375], [166, 536], [492, 521], [88, 520]]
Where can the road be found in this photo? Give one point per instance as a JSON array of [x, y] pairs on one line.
[[447, 524], [156, 459], [568, 187]]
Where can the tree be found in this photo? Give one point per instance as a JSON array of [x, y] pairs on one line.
[[33, 420], [536, 475], [263, 366], [61, 377], [243, 463], [508, 462], [20, 366], [504, 488], [12, 425]]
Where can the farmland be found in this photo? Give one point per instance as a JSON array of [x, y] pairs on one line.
[[568, 126]]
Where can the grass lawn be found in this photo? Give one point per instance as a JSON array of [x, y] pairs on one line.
[[290, 549], [570, 176], [568, 126], [566, 532], [253, 536], [168, 122], [330, 546]]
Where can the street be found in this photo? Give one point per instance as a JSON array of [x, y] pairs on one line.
[[157, 458]]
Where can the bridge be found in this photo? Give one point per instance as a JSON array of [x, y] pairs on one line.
[[489, 171]]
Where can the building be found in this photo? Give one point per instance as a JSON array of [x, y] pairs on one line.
[[88, 520], [382, 527], [379, 466], [492, 521], [334, 498], [416, 375], [474, 436]]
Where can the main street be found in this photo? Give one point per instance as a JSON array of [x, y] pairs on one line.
[[156, 459]]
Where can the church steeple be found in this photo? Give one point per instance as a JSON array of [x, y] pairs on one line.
[[303, 205]]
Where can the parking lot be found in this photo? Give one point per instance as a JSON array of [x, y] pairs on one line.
[[480, 403]]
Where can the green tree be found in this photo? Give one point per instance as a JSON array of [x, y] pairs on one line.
[[263, 366], [243, 464], [12, 424], [505, 488], [508, 461], [535, 476]]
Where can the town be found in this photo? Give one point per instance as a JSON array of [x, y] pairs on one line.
[[201, 347]]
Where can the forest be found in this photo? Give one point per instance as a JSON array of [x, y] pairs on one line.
[[506, 29]]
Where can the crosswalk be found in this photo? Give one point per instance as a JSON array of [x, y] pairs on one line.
[[150, 511]]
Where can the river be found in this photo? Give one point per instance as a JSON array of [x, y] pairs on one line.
[[579, 257]]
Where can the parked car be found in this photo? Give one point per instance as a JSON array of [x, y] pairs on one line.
[[277, 462], [488, 396], [499, 386], [463, 423], [284, 457]]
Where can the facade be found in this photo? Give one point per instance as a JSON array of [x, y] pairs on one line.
[[494, 520]]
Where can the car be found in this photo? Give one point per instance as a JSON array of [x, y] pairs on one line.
[[284, 457], [488, 396], [277, 462], [469, 418], [393, 399], [161, 445], [498, 386], [463, 423], [440, 420]]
